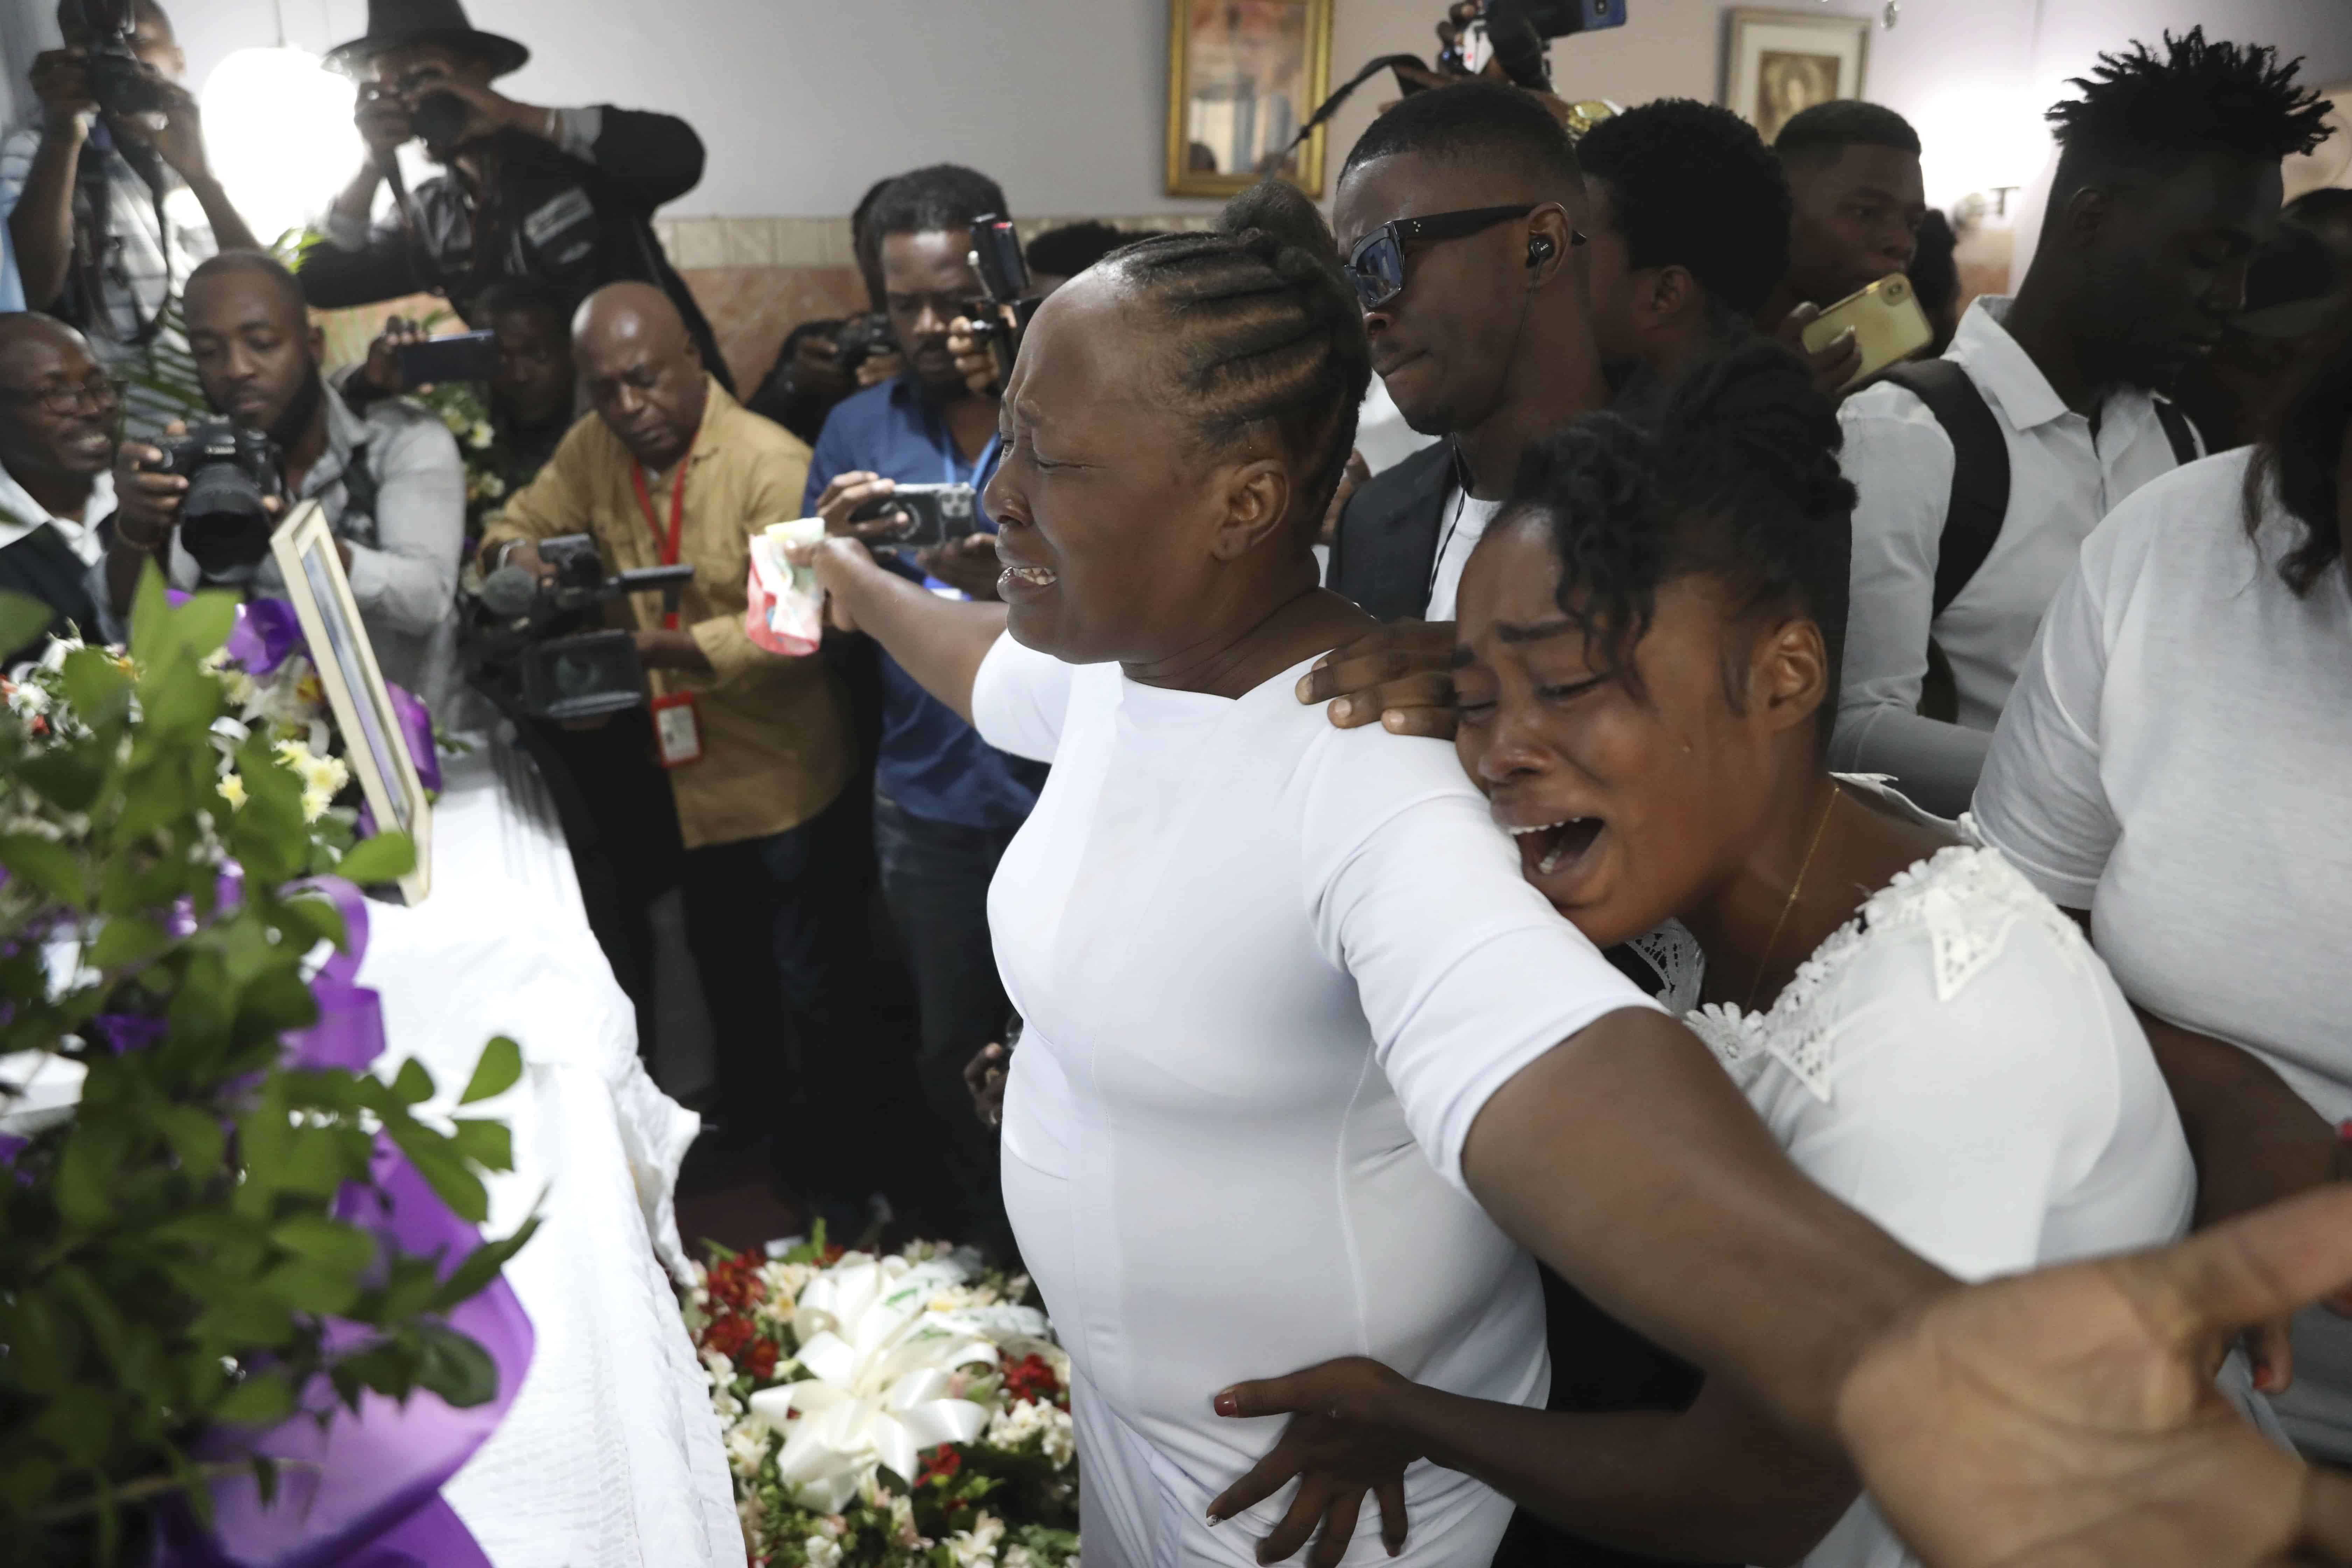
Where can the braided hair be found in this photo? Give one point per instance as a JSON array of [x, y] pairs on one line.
[[1263, 333], [1739, 482]]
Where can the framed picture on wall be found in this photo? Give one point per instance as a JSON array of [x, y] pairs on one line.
[[1782, 62], [1243, 76]]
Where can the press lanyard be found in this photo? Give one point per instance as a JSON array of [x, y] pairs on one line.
[[669, 547]]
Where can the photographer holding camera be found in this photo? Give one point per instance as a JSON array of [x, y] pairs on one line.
[[110, 199], [564, 197], [390, 480], [672, 470]]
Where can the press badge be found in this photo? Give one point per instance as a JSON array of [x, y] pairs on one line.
[[677, 733]]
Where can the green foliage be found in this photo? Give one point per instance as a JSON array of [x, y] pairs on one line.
[[169, 1253]]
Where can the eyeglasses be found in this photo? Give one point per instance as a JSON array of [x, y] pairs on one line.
[[1376, 266], [63, 398]]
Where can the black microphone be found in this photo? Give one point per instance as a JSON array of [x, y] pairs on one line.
[[510, 593]]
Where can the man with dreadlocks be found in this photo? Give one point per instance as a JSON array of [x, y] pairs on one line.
[[1981, 472]]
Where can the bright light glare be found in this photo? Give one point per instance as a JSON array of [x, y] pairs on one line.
[[279, 127], [1979, 139]]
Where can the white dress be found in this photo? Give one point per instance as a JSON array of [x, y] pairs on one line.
[[2178, 760], [1270, 971], [1958, 1065]]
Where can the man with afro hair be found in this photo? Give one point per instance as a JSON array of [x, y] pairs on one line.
[[1980, 473]]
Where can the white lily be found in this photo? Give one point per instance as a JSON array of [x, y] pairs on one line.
[[878, 1389]]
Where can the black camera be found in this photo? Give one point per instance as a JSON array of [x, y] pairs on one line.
[[1513, 33], [525, 645], [123, 84], [928, 514], [1003, 313], [232, 473], [440, 118], [861, 338]]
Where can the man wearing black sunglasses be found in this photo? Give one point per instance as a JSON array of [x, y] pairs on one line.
[[1458, 214], [58, 415]]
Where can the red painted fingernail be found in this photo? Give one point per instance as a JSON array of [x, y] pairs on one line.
[[2261, 1375], [1227, 1405]]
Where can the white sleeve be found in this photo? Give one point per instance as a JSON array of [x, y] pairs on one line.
[[1464, 971], [2041, 801], [1900, 462], [1020, 699], [1952, 1125]]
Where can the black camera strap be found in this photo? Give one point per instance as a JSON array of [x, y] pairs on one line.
[[94, 241]]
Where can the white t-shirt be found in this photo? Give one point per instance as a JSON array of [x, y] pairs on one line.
[[2178, 760], [1467, 521], [1270, 971], [2063, 475], [1958, 1065]]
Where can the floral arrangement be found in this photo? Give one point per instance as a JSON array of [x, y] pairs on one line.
[[886, 1411], [221, 1234], [463, 409], [270, 690]]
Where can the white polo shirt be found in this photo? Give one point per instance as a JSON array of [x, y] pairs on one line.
[[2064, 476]]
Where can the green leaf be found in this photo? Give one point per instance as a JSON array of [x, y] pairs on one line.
[[261, 1399], [443, 1169], [98, 688], [327, 1242], [413, 1084], [454, 1367], [124, 939], [315, 916], [68, 778], [52, 867], [486, 1143], [22, 619], [311, 1287], [151, 609], [386, 857], [498, 1071], [481, 1265]]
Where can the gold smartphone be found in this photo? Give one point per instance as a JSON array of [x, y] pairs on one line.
[[1887, 322]]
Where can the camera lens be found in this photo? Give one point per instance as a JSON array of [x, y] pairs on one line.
[[440, 118], [223, 522]]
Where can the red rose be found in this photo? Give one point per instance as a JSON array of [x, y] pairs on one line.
[[940, 1464], [760, 1361], [727, 1334]]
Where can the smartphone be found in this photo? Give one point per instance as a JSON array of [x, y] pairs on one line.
[[463, 356], [928, 515], [1887, 322]]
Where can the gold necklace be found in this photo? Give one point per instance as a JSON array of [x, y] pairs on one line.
[[1765, 963]]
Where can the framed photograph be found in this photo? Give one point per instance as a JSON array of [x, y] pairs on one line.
[[1782, 62], [304, 547], [1243, 76]]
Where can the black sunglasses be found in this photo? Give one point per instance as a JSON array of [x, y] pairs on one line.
[[1376, 265]]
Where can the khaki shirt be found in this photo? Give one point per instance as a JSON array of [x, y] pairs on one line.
[[774, 741]]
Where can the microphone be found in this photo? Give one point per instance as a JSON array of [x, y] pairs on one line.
[[510, 593]]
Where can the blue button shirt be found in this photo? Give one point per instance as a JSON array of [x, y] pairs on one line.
[[932, 763]]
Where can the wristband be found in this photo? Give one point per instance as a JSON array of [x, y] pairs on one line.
[[148, 546]]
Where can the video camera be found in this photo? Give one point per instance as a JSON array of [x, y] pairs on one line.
[[1008, 299], [1514, 33], [121, 83], [523, 646], [861, 338], [225, 518]]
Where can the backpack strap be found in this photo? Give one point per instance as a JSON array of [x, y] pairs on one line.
[[1978, 506], [2179, 430]]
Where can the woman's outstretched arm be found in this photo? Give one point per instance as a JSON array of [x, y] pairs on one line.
[[939, 642]]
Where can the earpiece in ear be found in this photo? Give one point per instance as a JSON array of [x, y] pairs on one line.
[[1539, 250]]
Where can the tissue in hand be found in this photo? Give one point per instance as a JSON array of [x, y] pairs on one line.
[[786, 610]]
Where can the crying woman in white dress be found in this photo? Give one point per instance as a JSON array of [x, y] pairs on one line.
[[1646, 666]]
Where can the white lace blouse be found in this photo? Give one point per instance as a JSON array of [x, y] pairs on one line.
[[1956, 1064]]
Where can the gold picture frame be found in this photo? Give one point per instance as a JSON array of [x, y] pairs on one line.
[[304, 548], [1778, 63], [1243, 76]]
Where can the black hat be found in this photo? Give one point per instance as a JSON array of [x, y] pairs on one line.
[[394, 23]]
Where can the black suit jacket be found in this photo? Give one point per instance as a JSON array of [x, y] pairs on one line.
[[42, 565], [1386, 546]]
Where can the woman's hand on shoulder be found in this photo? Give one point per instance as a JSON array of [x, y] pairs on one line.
[[1342, 1445], [1400, 677]]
